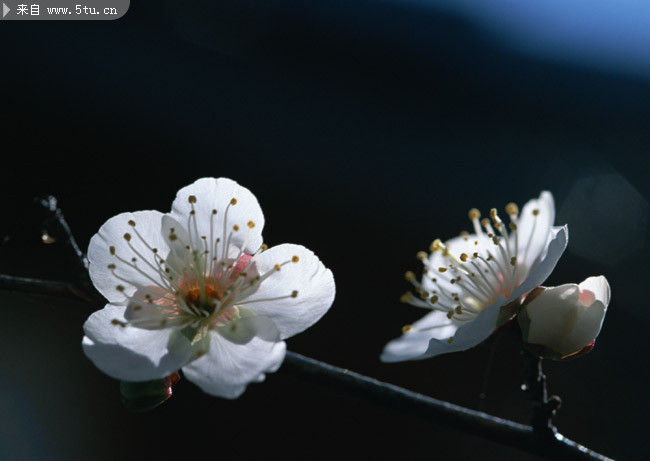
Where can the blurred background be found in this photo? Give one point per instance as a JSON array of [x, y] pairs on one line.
[[366, 129]]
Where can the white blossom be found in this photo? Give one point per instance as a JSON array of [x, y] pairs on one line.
[[564, 321], [472, 284], [196, 289]]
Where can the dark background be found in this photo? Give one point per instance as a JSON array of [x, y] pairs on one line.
[[365, 129]]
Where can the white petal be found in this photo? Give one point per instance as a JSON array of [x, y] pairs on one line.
[[413, 344], [227, 367], [216, 194], [431, 343], [129, 353], [585, 330], [533, 230], [111, 234], [557, 242], [243, 330], [313, 281], [553, 314], [596, 288]]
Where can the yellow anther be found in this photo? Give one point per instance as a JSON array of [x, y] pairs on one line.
[[493, 214], [264, 247], [464, 234], [459, 309], [485, 222], [442, 269], [214, 211], [452, 281], [233, 201], [294, 294], [191, 199], [131, 223], [474, 214], [409, 276], [475, 255], [406, 297], [495, 240], [111, 266], [424, 294], [463, 257], [535, 212], [434, 299], [512, 209], [512, 226], [407, 328], [118, 322], [513, 261], [277, 267], [127, 237], [295, 259], [450, 314], [421, 255], [235, 227], [119, 288], [250, 224]]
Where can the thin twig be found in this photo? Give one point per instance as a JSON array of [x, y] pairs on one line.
[[438, 411]]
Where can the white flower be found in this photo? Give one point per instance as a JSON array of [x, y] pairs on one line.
[[196, 289], [472, 284], [562, 322]]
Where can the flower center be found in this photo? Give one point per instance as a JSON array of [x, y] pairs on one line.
[[468, 274]]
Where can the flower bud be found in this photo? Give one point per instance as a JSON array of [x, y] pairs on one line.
[[563, 322]]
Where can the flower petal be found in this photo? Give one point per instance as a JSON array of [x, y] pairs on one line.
[[586, 329], [242, 330], [597, 287], [552, 315], [129, 353], [216, 194], [227, 368], [557, 241], [127, 274], [309, 277], [534, 229], [412, 345]]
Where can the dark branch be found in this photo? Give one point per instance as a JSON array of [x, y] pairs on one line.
[[436, 411]]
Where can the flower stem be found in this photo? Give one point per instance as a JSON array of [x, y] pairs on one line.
[[544, 407]]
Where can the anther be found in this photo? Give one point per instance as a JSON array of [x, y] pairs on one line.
[[450, 340], [250, 224], [264, 247], [442, 269], [191, 199], [535, 212], [409, 276], [214, 212], [277, 267], [295, 259], [132, 223], [512, 209], [111, 266], [513, 261], [406, 297], [475, 255], [512, 226], [127, 237], [450, 314], [235, 227], [463, 257], [421, 255], [118, 322], [434, 299], [112, 250], [459, 309], [233, 201], [485, 222], [407, 328], [294, 294], [474, 214], [495, 240], [119, 288]]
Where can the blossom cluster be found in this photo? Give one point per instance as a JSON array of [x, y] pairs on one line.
[[475, 283]]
